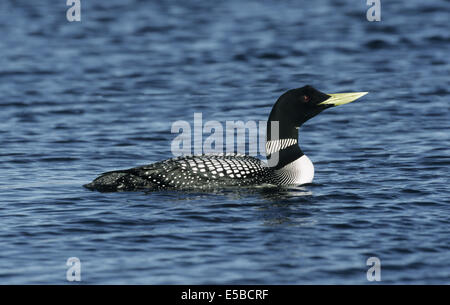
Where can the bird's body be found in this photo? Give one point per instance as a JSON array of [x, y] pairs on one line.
[[287, 165], [205, 172]]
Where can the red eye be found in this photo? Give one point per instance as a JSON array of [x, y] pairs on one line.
[[306, 98]]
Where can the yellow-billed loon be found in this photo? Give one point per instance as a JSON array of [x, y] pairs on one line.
[[287, 164]]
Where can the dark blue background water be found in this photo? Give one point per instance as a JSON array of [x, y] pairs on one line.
[[78, 99]]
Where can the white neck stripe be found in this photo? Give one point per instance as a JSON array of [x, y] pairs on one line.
[[277, 145]]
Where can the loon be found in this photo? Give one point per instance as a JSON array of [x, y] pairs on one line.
[[286, 162]]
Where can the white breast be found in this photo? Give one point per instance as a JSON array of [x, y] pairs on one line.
[[300, 171]]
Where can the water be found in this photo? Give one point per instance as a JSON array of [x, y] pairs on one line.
[[78, 99]]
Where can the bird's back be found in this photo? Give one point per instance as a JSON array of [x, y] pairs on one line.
[[187, 172]]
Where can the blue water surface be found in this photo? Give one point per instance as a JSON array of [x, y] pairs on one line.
[[81, 98]]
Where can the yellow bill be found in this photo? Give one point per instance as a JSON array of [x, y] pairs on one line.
[[337, 99]]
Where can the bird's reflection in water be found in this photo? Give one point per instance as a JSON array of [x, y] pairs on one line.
[[292, 206], [289, 206]]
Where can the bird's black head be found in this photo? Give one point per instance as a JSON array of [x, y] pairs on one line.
[[297, 106]]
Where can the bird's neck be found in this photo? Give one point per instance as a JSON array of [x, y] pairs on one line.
[[281, 144]]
